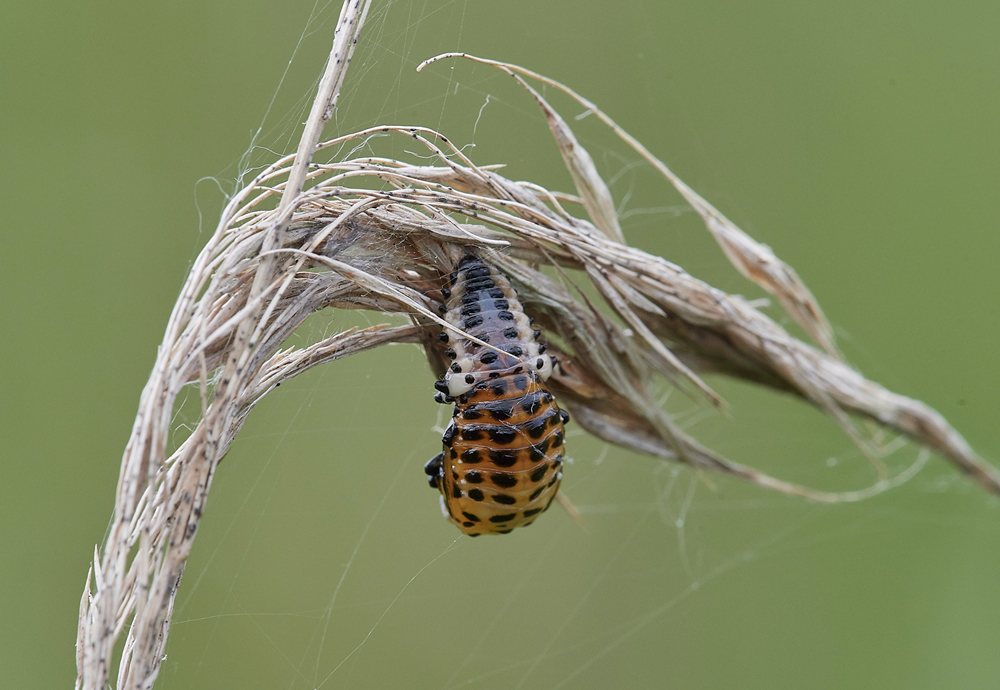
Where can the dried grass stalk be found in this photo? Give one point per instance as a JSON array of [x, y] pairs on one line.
[[375, 233]]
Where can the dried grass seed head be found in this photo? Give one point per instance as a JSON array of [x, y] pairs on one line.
[[376, 233]]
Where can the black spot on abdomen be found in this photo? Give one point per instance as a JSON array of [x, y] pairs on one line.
[[480, 271], [503, 458], [538, 452], [472, 433], [504, 480], [502, 435]]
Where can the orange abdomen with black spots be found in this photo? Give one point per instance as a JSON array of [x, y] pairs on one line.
[[503, 450]]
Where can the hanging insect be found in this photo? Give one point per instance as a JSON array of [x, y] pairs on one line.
[[503, 450]]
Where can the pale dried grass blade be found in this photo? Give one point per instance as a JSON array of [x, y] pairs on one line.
[[144, 465], [669, 359], [754, 260], [81, 630], [594, 193]]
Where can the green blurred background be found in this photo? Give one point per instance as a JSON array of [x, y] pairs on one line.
[[858, 139]]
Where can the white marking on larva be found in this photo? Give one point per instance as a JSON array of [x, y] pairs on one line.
[[444, 509], [457, 385], [456, 381], [546, 371], [524, 330]]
